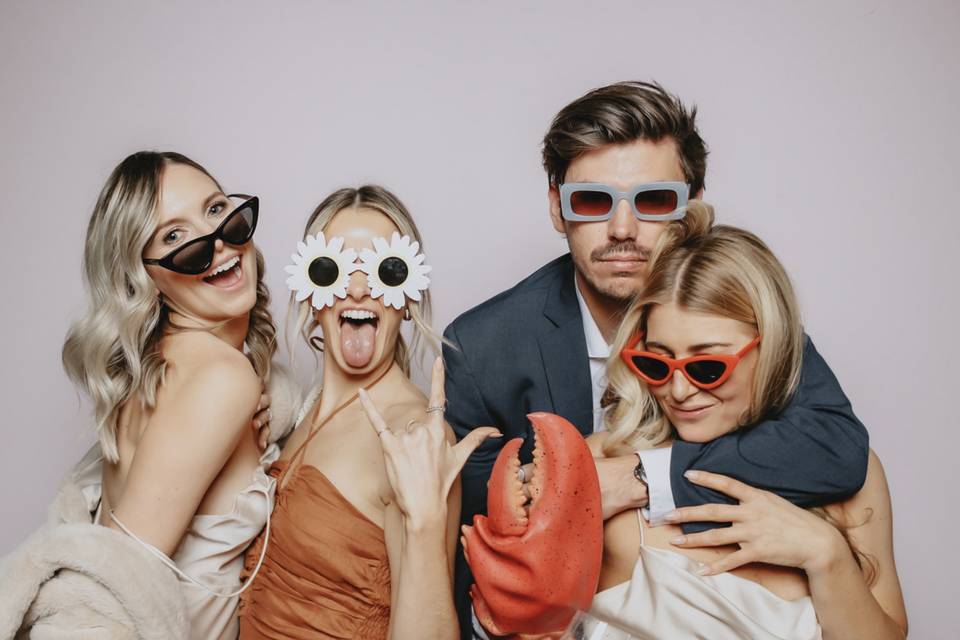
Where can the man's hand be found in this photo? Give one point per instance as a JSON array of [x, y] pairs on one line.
[[619, 488]]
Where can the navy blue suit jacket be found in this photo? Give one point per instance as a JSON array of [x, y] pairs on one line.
[[524, 350]]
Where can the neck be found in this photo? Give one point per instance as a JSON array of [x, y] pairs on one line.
[[339, 385], [606, 311], [232, 331]]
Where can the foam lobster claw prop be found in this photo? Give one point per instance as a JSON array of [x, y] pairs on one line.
[[534, 570]]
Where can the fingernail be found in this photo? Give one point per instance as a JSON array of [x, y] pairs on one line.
[[678, 540], [691, 475], [672, 516], [256, 423], [703, 571]]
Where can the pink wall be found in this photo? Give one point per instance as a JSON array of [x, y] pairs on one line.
[[831, 127]]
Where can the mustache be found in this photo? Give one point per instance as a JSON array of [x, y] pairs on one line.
[[626, 250]]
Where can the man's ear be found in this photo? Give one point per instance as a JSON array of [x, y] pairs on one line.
[[553, 195]]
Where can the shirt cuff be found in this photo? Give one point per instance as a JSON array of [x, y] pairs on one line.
[[656, 464]]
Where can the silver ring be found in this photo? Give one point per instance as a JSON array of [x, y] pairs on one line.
[[434, 408], [522, 474]]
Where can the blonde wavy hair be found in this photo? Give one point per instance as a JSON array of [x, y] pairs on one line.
[[720, 270], [112, 352], [379, 199]]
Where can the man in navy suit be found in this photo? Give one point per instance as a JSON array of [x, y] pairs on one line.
[[542, 345]]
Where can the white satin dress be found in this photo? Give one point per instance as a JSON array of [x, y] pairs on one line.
[[211, 551], [665, 598]]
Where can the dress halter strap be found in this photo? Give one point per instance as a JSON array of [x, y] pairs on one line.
[[640, 524], [297, 456], [162, 557]]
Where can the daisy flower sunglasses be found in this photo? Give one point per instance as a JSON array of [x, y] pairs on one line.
[[706, 371], [196, 256], [322, 266]]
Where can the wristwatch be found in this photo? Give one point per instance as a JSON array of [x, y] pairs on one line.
[[639, 472]]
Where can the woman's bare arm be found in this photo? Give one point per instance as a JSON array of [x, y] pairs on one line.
[[203, 409]]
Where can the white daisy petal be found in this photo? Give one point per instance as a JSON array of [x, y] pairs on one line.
[[381, 246], [394, 298]]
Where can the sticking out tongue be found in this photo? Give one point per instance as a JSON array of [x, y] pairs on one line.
[[356, 342]]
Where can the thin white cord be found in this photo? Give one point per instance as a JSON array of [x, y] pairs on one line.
[[165, 560]]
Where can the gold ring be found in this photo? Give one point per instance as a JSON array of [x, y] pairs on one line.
[[434, 408], [411, 423]]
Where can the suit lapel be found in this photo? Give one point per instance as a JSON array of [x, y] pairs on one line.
[[563, 349]]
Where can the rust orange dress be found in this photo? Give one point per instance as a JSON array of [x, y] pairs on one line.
[[326, 573]]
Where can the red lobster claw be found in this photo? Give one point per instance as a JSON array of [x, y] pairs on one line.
[[532, 573]]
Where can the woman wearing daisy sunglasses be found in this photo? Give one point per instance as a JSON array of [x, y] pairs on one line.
[[367, 508], [712, 344], [176, 294]]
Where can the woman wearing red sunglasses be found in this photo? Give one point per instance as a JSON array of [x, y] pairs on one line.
[[712, 344]]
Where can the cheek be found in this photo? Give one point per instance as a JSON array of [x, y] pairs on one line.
[[584, 237]]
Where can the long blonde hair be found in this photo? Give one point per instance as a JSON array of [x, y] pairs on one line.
[[112, 352], [720, 270], [379, 199]]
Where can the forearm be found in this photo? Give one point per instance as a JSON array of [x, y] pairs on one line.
[[845, 607], [424, 576]]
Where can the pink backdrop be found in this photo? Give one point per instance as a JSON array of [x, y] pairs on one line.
[[831, 126]]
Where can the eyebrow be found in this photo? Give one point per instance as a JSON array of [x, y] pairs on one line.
[[175, 221]]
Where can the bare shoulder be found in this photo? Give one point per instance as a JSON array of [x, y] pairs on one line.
[[205, 363], [207, 382], [873, 499]]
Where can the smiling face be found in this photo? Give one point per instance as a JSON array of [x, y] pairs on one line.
[[359, 332], [192, 205], [699, 415], [611, 255]]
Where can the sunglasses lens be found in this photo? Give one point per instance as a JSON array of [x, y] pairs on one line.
[[656, 202], [393, 272], [239, 228], [323, 271], [651, 367], [193, 257], [705, 371], [591, 203]]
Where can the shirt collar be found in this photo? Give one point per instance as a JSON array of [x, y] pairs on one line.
[[597, 347]]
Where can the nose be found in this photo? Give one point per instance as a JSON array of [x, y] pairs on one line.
[[680, 387], [357, 288], [622, 225]]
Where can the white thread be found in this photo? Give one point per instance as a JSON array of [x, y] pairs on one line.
[[165, 560]]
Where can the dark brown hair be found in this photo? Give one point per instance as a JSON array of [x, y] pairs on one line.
[[619, 113]]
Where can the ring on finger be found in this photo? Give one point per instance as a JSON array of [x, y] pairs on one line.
[[522, 474], [269, 414], [411, 424], [434, 408]]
